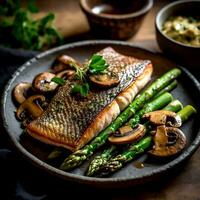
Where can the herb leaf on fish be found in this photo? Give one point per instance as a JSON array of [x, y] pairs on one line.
[[82, 89], [97, 64], [80, 72], [58, 80]]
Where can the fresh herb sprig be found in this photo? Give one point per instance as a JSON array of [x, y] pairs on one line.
[[96, 65], [80, 72], [58, 80], [82, 89]]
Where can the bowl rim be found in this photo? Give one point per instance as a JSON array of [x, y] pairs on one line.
[[142, 11], [163, 10]]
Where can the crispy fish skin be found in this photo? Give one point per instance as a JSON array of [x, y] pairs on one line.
[[71, 123]]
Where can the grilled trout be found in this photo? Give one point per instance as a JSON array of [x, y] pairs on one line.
[[71, 122]]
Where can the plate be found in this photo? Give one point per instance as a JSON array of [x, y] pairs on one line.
[[188, 92]]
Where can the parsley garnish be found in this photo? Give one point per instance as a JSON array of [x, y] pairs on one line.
[[82, 89], [20, 30], [97, 64], [32, 6], [58, 80], [80, 72]]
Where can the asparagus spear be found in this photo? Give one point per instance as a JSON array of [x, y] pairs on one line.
[[168, 88], [81, 155], [102, 159], [174, 106], [120, 160], [186, 112], [156, 104]]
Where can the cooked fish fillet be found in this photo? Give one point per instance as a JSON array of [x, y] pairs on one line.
[[72, 122]]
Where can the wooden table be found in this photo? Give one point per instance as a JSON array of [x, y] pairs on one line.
[[71, 21], [184, 184]]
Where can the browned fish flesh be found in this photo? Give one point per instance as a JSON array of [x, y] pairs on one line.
[[71, 122]]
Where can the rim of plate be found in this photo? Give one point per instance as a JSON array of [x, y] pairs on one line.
[[80, 178]]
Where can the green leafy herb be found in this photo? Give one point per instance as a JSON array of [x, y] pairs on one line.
[[20, 30], [8, 7], [97, 64], [58, 80], [83, 89], [32, 6], [80, 72]]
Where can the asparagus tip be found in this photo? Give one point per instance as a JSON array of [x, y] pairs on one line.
[[191, 108]]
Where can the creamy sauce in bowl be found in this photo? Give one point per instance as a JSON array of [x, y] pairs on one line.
[[183, 29]]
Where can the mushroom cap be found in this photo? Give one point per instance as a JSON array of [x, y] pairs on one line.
[[42, 82], [31, 107], [163, 117], [128, 134], [64, 62], [104, 80], [68, 73], [20, 91], [168, 141]]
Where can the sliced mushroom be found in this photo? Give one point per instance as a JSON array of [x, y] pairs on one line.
[[30, 106], [127, 134], [66, 74], [20, 91], [168, 141], [105, 80], [64, 62], [42, 82], [161, 117]]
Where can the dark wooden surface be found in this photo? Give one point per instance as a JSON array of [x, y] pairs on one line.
[[183, 183], [71, 21]]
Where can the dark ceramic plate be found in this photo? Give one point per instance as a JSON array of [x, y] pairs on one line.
[[187, 92]]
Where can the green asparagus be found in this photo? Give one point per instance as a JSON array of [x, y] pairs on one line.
[[168, 88], [57, 152], [102, 159], [186, 112], [174, 106], [81, 155], [156, 104], [120, 160]]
